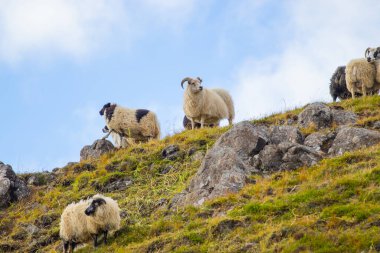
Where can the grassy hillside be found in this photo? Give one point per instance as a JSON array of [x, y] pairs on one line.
[[333, 206]]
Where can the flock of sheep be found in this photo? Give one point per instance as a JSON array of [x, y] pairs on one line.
[[359, 77], [99, 215]]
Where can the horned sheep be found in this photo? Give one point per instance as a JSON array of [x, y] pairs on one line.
[[87, 219], [138, 125], [206, 106], [363, 75]]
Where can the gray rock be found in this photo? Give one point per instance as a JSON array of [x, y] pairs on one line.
[[12, 188], [352, 138], [171, 152], [39, 179], [320, 141], [376, 124], [118, 184], [285, 133], [342, 117], [197, 156], [245, 139], [98, 148], [269, 159], [318, 115]]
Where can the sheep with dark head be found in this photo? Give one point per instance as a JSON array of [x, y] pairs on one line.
[[87, 219], [338, 87], [137, 125], [206, 105]]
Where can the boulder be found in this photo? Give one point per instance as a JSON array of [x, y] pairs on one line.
[[342, 117], [171, 152], [12, 188], [98, 148], [320, 141], [352, 138], [317, 115], [285, 133]]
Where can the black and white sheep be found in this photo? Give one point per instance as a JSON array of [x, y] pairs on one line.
[[206, 106], [137, 125], [87, 219], [363, 75]]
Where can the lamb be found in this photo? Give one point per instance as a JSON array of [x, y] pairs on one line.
[[138, 125], [187, 124], [87, 219], [362, 75], [206, 106]]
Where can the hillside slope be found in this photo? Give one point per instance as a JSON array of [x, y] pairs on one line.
[[332, 206]]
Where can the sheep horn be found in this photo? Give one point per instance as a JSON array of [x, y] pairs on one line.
[[200, 80], [366, 52], [185, 80]]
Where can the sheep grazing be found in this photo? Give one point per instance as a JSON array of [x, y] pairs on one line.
[[361, 77], [87, 219], [187, 124], [206, 106], [137, 125]]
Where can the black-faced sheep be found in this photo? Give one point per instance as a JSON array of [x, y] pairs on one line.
[[187, 124], [363, 75], [138, 125], [206, 106], [87, 219]]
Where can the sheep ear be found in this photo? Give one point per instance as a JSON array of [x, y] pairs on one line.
[[200, 80]]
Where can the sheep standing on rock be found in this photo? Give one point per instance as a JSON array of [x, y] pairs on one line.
[[87, 219], [138, 125], [206, 106], [363, 75]]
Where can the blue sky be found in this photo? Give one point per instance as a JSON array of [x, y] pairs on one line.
[[61, 60]]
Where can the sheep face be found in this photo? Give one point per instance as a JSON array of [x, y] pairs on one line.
[[372, 54], [194, 84], [95, 204], [102, 111]]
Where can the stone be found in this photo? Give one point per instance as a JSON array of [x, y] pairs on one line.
[[320, 141], [118, 184], [285, 133], [316, 115], [98, 148], [352, 138], [342, 117], [40, 179], [171, 152], [12, 188]]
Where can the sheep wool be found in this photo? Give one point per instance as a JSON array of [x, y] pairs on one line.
[[360, 77]]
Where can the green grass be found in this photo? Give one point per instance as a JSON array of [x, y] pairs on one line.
[[333, 206]]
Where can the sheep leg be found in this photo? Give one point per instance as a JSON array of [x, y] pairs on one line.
[[192, 124], [202, 122], [106, 136], [230, 121], [72, 244], [96, 240], [364, 90], [65, 246], [105, 233]]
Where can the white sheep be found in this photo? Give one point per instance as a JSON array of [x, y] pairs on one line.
[[137, 125], [206, 106], [85, 220], [360, 77]]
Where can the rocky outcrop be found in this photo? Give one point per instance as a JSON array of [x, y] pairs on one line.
[[248, 149], [98, 148], [351, 138], [12, 188], [320, 116]]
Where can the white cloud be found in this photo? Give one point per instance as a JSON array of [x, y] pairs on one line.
[[68, 27], [323, 35]]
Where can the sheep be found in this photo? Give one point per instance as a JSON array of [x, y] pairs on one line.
[[338, 87], [206, 105], [187, 124], [87, 219], [361, 77], [137, 125]]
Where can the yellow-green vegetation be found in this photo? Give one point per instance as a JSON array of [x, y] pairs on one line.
[[333, 206]]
